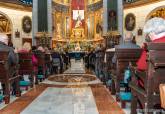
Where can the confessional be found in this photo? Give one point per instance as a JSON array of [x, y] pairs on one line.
[[26, 68], [8, 76], [124, 57], [146, 93]]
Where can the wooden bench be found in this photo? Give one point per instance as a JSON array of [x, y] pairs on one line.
[[108, 68], [41, 65], [48, 64], [147, 93], [26, 68], [7, 77], [124, 58]]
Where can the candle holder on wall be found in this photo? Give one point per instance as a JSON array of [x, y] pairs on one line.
[[140, 32], [17, 34]]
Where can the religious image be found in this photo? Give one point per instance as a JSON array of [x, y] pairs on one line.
[[130, 22], [27, 24], [112, 20], [78, 16], [98, 28]]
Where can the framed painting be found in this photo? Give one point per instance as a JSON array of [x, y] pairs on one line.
[[130, 22], [26, 24]]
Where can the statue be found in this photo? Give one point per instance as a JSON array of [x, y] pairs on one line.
[[77, 47], [78, 22]]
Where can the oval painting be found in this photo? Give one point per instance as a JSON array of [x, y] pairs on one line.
[[26, 24], [130, 22]]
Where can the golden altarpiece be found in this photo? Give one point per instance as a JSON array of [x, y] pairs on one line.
[[75, 24]]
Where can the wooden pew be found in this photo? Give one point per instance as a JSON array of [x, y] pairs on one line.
[[41, 65], [108, 67], [26, 68], [7, 77], [148, 94], [48, 64], [124, 58]]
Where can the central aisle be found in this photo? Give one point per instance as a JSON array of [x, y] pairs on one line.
[[68, 93], [77, 67], [63, 101]]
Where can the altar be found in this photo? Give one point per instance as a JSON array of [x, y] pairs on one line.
[[77, 55], [78, 34]]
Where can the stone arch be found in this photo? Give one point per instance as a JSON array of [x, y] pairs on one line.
[[149, 15], [9, 33]]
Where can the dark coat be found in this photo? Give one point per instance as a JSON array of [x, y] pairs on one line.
[[12, 57]]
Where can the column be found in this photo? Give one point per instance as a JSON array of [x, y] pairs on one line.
[[120, 11], [34, 21], [50, 18], [42, 17], [49, 4], [105, 16]]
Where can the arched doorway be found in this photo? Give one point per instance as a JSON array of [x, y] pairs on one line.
[[157, 12], [5, 25]]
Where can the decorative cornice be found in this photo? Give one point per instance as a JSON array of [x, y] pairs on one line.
[[15, 6], [60, 8], [137, 3], [95, 6]]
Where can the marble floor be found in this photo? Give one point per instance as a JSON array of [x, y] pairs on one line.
[[77, 67], [63, 101], [105, 103], [65, 98]]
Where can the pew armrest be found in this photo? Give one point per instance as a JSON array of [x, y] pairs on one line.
[[157, 63], [134, 87]]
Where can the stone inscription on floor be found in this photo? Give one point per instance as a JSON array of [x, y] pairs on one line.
[[63, 101]]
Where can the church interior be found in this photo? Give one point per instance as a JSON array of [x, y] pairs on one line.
[[82, 56]]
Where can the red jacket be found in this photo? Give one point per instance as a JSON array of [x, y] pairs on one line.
[[142, 64]]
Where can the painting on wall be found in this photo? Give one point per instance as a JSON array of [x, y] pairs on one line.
[[26, 24], [130, 22]]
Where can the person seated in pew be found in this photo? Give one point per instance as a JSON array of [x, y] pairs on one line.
[[155, 32], [12, 57], [57, 62], [127, 44], [25, 48], [40, 48]]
